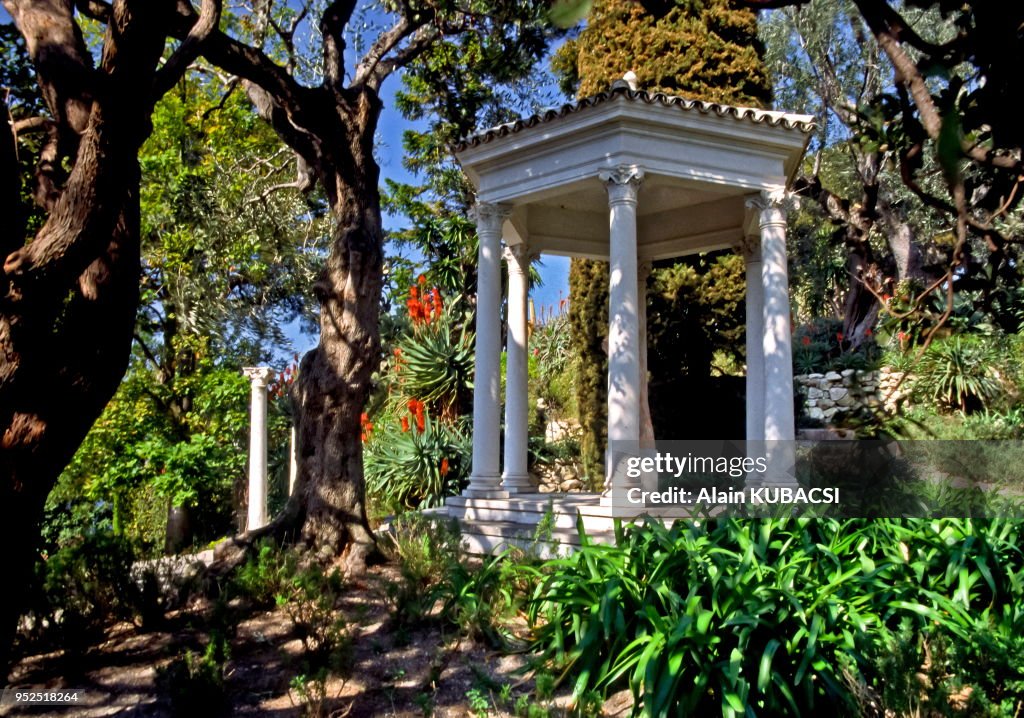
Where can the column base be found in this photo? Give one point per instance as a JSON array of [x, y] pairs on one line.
[[517, 484], [485, 487], [486, 494]]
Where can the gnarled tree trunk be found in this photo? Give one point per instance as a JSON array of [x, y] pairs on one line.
[[68, 297]]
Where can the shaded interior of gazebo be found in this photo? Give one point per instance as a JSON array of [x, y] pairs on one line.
[[626, 177]]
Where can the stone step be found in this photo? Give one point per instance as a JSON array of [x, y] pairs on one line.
[[495, 536]]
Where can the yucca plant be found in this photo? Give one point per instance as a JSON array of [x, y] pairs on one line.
[[959, 373]]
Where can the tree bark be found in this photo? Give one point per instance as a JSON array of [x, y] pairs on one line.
[[334, 378], [68, 297]]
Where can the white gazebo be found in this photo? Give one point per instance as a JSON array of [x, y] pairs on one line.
[[627, 177]]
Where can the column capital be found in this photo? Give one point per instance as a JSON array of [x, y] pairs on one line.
[[258, 375], [750, 248], [623, 183], [489, 216], [643, 270], [773, 205], [518, 256]]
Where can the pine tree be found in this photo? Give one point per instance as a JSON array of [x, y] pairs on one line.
[[706, 50]]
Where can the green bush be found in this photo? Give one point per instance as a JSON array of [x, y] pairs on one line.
[[265, 575], [81, 588], [440, 582], [960, 373], [779, 617], [195, 684]]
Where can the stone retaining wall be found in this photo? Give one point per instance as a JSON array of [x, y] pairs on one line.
[[830, 397]]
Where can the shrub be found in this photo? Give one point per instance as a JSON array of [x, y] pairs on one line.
[[265, 575], [777, 617], [417, 463], [81, 588], [960, 373], [195, 683]]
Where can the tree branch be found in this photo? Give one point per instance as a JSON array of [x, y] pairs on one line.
[[420, 43], [188, 50], [10, 185], [332, 28], [95, 9], [382, 46]]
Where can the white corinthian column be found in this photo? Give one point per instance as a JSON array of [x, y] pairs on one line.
[[515, 478], [485, 475], [257, 515], [624, 353], [779, 421]]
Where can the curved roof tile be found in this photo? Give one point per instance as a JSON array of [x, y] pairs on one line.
[[773, 118]]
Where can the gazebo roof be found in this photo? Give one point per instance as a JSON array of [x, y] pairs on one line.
[[700, 162], [774, 118]]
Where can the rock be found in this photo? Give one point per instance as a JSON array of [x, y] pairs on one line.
[[825, 403], [829, 413], [836, 393], [571, 485], [811, 403], [547, 489], [815, 376], [833, 376], [847, 372], [814, 393], [846, 401], [815, 413]]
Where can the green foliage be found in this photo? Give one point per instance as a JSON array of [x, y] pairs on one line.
[[139, 457], [780, 617], [408, 468], [440, 582], [80, 588], [819, 346], [265, 575], [312, 598], [195, 683], [311, 692], [706, 50], [960, 373]]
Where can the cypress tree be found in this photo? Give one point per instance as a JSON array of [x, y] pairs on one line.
[[701, 49]]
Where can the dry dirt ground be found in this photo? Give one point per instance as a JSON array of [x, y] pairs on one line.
[[423, 671]]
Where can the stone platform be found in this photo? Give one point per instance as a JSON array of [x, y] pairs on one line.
[[492, 525]]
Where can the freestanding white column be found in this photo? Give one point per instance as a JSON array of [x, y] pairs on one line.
[[779, 423], [515, 478], [257, 515], [623, 184], [293, 463], [485, 475], [755, 340]]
